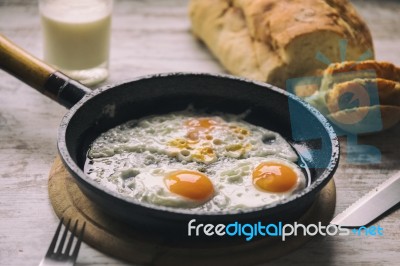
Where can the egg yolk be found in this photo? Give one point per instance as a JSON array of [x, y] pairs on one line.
[[197, 125], [201, 123], [189, 184], [274, 177]]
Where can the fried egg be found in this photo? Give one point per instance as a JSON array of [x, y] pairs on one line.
[[173, 188], [259, 181], [190, 138], [202, 162]]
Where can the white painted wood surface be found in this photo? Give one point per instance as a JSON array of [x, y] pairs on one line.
[[150, 37]]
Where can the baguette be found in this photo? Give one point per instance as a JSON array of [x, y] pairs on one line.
[[273, 41]]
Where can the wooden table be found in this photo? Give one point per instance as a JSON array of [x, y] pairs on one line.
[[150, 37]]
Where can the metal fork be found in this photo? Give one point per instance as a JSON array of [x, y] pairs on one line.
[[63, 256]]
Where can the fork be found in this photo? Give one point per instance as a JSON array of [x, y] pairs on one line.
[[63, 256]]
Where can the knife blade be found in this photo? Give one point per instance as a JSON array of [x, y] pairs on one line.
[[371, 205]]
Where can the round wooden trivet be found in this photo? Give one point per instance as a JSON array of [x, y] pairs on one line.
[[121, 241]]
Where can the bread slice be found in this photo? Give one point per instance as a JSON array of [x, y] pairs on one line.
[[383, 70], [274, 41], [349, 70], [350, 120], [388, 92]]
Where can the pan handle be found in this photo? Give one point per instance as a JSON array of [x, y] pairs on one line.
[[40, 76]]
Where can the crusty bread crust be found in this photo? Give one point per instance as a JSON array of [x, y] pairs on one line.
[[384, 70], [273, 41]]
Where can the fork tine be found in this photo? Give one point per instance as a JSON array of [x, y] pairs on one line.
[[71, 238], [55, 237], [78, 243], [62, 241], [58, 257]]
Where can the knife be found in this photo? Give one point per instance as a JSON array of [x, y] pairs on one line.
[[371, 205]]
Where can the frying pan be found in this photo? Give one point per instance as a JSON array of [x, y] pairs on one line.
[[93, 112]]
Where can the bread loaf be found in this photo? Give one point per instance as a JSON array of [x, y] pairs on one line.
[[272, 41]]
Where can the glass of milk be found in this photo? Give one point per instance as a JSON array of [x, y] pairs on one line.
[[77, 37]]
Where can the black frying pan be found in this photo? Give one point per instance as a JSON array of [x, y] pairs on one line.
[[93, 112]]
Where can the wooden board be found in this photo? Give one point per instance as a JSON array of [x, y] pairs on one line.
[[120, 240]]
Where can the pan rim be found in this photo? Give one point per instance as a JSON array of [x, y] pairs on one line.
[[321, 181]]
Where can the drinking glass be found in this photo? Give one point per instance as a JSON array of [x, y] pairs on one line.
[[77, 37]]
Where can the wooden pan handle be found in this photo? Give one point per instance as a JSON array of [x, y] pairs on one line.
[[39, 75]]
